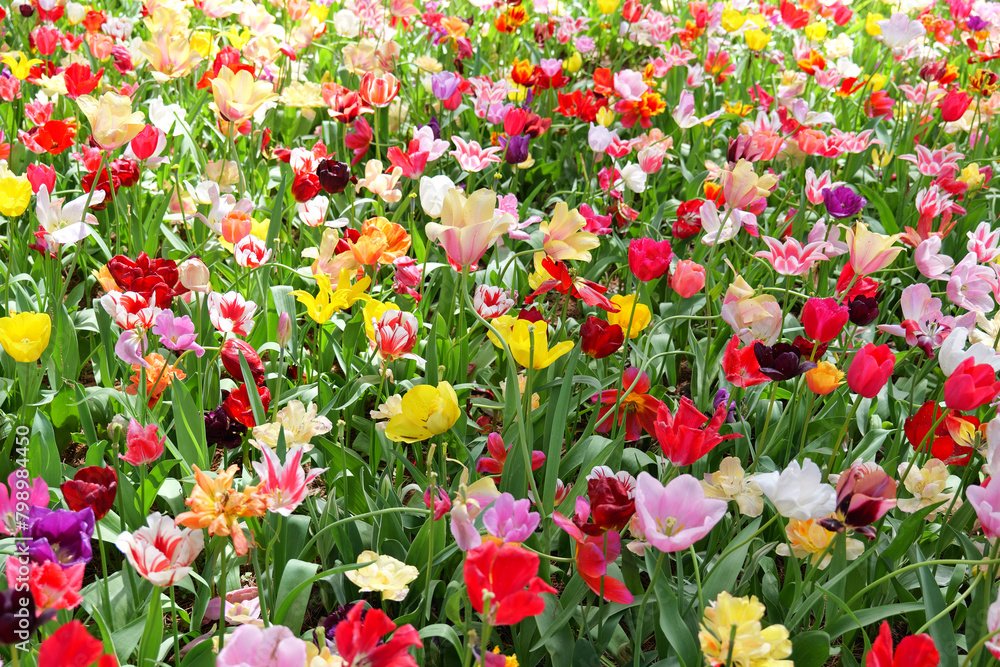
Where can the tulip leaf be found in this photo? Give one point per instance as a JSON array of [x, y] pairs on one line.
[[941, 630], [810, 649], [259, 414], [152, 634], [672, 625], [189, 429]]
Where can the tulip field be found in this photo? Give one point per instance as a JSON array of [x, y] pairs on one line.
[[458, 333]]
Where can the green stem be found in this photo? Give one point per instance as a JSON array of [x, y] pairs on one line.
[[637, 651], [173, 625], [222, 596]]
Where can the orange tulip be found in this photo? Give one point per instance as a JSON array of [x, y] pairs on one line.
[[217, 506], [379, 91]]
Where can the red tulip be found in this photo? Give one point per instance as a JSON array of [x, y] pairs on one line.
[[863, 497], [970, 386], [94, 487], [508, 574], [824, 319], [146, 276], [954, 105], [230, 354], [600, 338], [359, 639], [952, 435], [740, 365], [649, 259], [870, 370], [913, 651], [39, 175], [494, 463], [73, 645], [80, 80], [688, 222], [144, 144], [237, 404], [687, 435]]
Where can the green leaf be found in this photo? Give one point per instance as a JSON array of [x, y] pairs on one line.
[[189, 429], [869, 617], [886, 217], [941, 631], [152, 634], [811, 649], [672, 625]]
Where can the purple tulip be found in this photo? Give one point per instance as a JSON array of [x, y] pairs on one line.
[[18, 620], [509, 520], [444, 84], [841, 202], [60, 536], [517, 150]]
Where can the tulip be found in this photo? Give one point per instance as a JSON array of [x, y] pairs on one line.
[[468, 226], [237, 404], [502, 583], [687, 435], [59, 536], [383, 574], [25, 336], [379, 91], [912, 651], [630, 312], [238, 95], [94, 487], [688, 278], [230, 354], [985, 499], [675, 516], [143, 445], [599, 339], [798, 491], [863, 310], [971, 386], [273, 646], [870, 252], [395, 334], [112, 121], [528, 342], [954, 105], [841, 202], [491, 302], [563, 235], [871, 368], [426, 411], [510, 520], [741, 366], [284, 329], [15, 195], [864, 495], [498, 451], [284, 486], [160, 552], [18, 619], [72, 644], [194, 275], [333, 176], [824, 379], [649, 259], [824, 319], [635, 407]]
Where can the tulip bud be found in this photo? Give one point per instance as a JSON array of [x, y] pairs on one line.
[[231, 360], [195, 276], [284, 329]]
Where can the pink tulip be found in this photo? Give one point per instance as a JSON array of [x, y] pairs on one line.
[[143, 445], [285, 486], [675, 516], [986, 501], [688, 278]]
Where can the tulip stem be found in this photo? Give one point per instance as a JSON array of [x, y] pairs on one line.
[[637, 651], [222, 596], [173, 624], [104, 572], [843, 432]]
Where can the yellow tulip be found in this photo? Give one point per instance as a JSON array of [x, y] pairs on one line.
[[605, 116], [20, 65], [973, 177], [528, 342], [564, 238], [328, 301], [112, 121], [607, 7], [871, 251], [732, 20], [816, 31], [318, 11], [871, 24], [15, 195], [756, 39], [626, 303], [426, 411], [201, 42], [238, 94], [573, 63], [881, 157], [25, 336]]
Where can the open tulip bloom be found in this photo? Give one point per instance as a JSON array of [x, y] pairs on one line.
[[379, 334]]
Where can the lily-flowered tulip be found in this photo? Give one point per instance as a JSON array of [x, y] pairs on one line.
[[217, 506], [426, 411], [468, 226], [238, 95], [912, 651], [870, 251], [528, 342], [25, 336], [161, 552], [494, 463], [284, 487], [675, 516], [687, 435], [791, 258], [635, 407], [112, 121]]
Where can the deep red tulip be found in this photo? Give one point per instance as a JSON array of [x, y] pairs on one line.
[[509, 574], [600, 338], [230, 354], [146, 276], [824, 319], [305, 186], [870, 370], [649, 259], [612, 504], [913, 651], [970, 386], [740, 365], [94, 487], [687, 435]]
